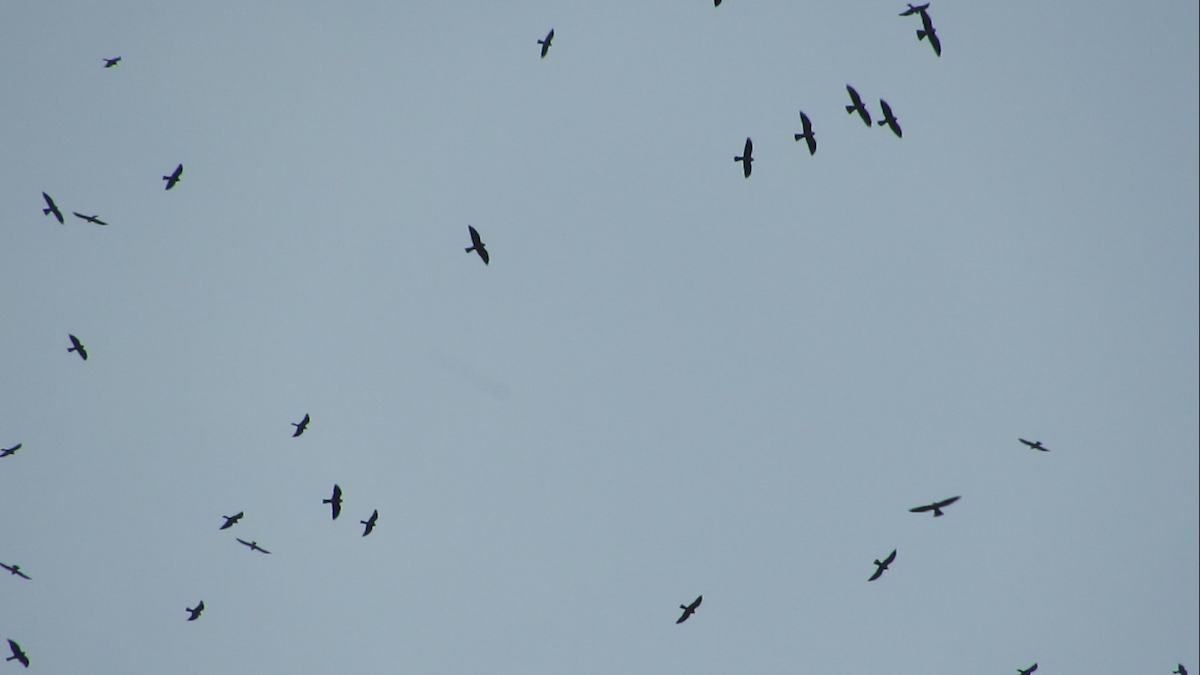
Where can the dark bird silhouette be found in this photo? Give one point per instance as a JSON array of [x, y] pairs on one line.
[[914, 10], [546, 43], [808, 134], [301, 426], [1027, 671], [746, 159], [369, 522], [78, 347], [5, 452], [90, 219], [890, 119], [858, 105], [335, 501], [936, 507], [1180, 670], [51, 208], [883, 565], [689, 610], [230, 521], [195, 611], [716, 3], [253, 546], [174, 178], [477, 245], [15, 569], [1036, 445], [17, 654], [928, 31], [109, 63]]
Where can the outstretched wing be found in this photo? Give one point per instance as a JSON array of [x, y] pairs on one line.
[[922, 509], [878, 573], [692, 607], [890, 559], [749, 150], [475, 241], [243, 542], [854, 96], [947, 502]]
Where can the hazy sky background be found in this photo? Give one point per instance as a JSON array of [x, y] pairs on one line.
[[670, 381]]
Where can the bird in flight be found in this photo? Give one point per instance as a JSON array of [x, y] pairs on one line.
[[1180, 670], [890, 119], [808, 134], [936, 507], [253, 546], [883, 565], [15, 569], [17, 654], [109, 63], [90, 219], [5, 452], [51, 208], [716, 3], [78, 347], [1027, 671], [335, 501], [174, 178], [858, 105], [689, 610], [477, 245], [195, 611], [301, 426], [1036, 445], [914, 10], [928, 31], [230, 521], [369, 522], [746, 159], [546, 43]]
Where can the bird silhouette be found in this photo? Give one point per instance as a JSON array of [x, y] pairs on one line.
[[1180, 670], [689, 610], [174, 178], [90, 219], [369, 522], [15, 569], [253, 546], [716, 3], [746, 159], [195, 611], [230, 521], [936, 507], [1027, 671], [109, 63], [808, 134], [17, 654], [928, 31], [477, 245], [51, 208], [5, 452], [1036, 445], [883, 565], [914, 10], [78, 347], [301, 426], [335, 501], [889, 119], [858, 105], [546, 43]]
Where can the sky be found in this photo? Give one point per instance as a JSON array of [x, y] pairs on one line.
[[670, 381]]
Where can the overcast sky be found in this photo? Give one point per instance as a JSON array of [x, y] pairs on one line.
[[670, 380]]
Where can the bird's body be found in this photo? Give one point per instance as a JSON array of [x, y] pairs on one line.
[[77, 346], [1036, 445], [746, 159], [936, 507], [5, 452], [689, 610], [15, 569], [881, 566], [90, 219], [109, 63], [370, 522], [546, 43], [253, 546], [302, 425], [195, 611], [17, 654], [1180, 670], [477, 244], [808, 133], [230, 521], [335, 501], [174, 177], [914, 10], [52, 208], [890, 119], [928, 31], [858, 106], [1027, 671]]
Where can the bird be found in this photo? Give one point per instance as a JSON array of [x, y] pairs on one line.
[[477, 245], [936, 507], [195, 611], [230, 521], [1180, 670], [746, 159], [15, 569], [90, 219], [689, 610], [335, 501], [808, 134], [174, 178], [1036, 445], [716, 3], [1027, 671], [890, 119], [253, 546], [369, 522], [5, 452], [883, 565], [928, 31], [914, 10], [858, 105], [51, 208], [78, 347], [17, 654], [109, 63], [301, 426], [546, 43]]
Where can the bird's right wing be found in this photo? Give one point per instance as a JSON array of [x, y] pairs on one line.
[[878, 573], [890, 559], [922, 509]]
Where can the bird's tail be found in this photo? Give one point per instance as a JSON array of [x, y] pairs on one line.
[[72, 349], [468, 250], [921, 35], [881, 122], [850, 109], [799, 136], [739, 159], [47, 211]]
